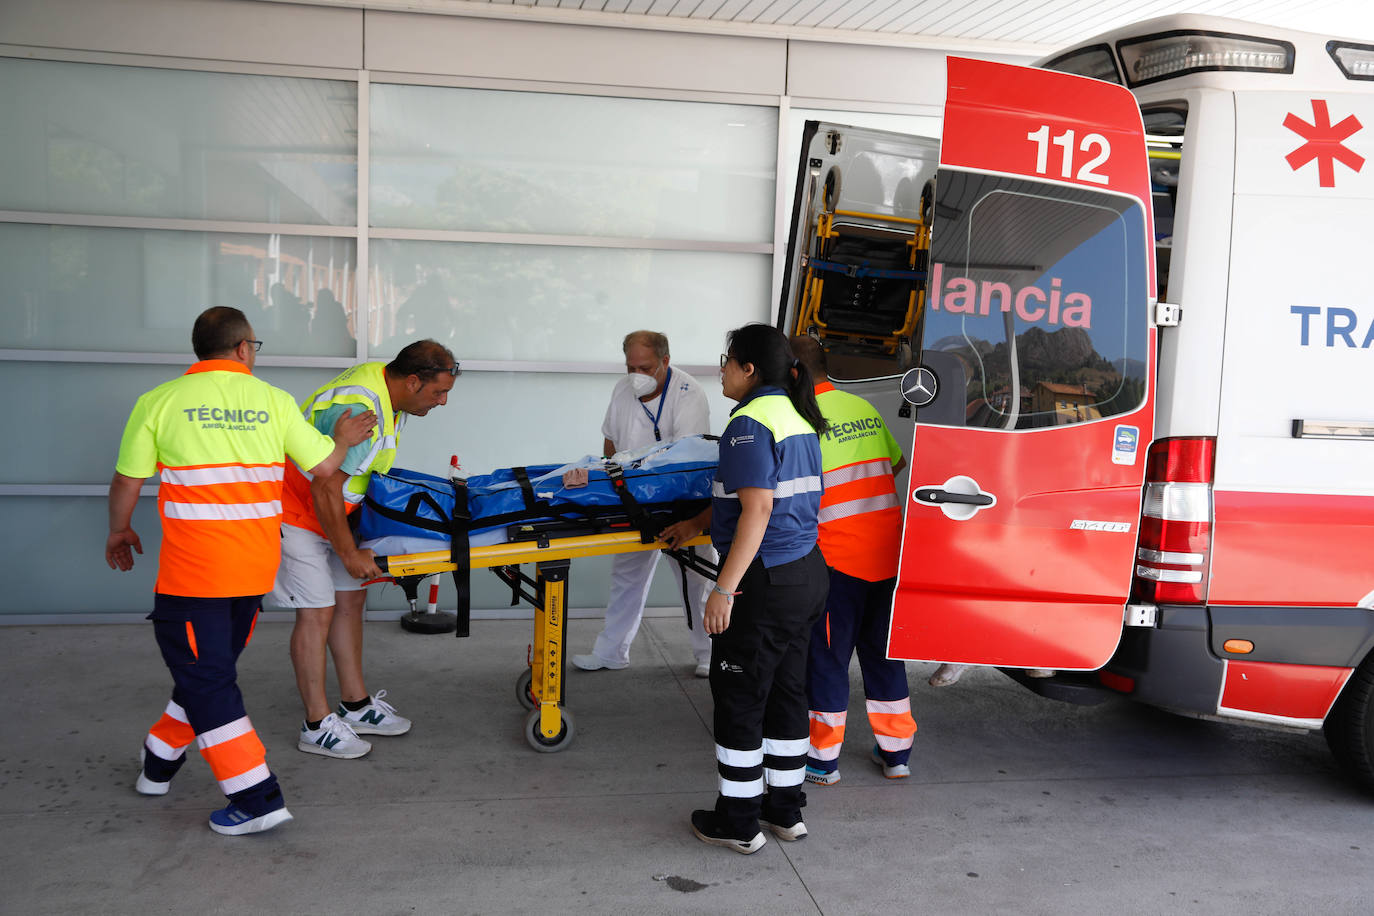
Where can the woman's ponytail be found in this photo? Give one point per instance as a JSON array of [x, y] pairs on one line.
[[767, 350], [801, 390]]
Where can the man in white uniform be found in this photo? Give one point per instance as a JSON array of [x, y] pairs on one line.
[[652, 403]]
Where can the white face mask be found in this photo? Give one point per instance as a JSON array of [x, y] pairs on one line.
[[641, 384]]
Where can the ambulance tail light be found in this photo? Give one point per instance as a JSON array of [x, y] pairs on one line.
[[1173, 554]]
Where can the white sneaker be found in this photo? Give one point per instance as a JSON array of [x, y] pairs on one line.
[[146, 786], [332, 739], [593, 662], [376, 718], [703, 669]]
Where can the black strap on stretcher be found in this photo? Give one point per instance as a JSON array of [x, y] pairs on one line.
[[855, 271], [648, 533], [460, 555]]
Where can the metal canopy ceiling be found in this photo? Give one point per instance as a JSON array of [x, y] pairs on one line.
[[1012, 26]]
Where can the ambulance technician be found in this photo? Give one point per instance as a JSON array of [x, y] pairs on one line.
[[219, 437], [322, 570], [861, 538], [770, 590], [653, 403]]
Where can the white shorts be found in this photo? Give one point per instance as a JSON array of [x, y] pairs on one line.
[[310, 572]]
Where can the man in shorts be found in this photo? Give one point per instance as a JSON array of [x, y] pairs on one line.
[[323, 570]]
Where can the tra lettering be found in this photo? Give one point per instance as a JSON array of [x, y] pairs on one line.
[[1341, 324], [964, 296]]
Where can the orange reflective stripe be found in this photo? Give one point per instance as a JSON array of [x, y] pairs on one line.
[[191, 639], [858, 489], [262, 492], [827, 733], [251, 627], [893, 725], [235, 756], [172, 732]]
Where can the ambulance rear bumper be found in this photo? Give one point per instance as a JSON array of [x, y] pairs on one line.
[[1180, 662]]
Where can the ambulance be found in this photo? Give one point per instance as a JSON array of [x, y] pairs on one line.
[[1129, 297]]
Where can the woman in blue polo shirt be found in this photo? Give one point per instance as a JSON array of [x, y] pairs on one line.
[[771, 589]]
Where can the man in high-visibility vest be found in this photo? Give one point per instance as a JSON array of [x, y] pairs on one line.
[[860, 537], [219, 437], [323, 570]]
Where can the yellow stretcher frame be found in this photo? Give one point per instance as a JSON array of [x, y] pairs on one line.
[[548, 727]]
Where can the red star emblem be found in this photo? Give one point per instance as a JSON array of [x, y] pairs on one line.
[[1323, 143]]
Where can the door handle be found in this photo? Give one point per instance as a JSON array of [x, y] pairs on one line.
[[936, 496]]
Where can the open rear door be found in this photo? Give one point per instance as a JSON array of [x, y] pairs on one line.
[[1027, 470]]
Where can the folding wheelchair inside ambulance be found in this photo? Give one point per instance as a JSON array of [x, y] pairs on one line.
[[860, 286]]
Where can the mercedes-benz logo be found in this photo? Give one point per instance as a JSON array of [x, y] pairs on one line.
[[919, 386]]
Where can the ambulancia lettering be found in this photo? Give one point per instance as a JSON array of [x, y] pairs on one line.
[[963, 295]]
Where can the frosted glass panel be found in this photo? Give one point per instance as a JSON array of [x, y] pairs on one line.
[[528, 302], [58, 565], [531, 162], [136, 141], [74, 413], [134, 290]]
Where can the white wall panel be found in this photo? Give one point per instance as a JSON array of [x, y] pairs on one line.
[[405, 43], [278, 33], [860, 73]]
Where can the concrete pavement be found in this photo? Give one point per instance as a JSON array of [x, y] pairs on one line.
[[1016, 804]]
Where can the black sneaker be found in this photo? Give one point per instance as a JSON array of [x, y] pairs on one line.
[[708, 830]]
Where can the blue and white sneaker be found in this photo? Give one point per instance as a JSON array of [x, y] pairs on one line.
[[234, 821], [821, 777], [333, 738], [890, 770], [376, 718]]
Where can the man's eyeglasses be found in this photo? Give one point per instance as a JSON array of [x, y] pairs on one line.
[[453, 370], [724, 358], [257, 344]]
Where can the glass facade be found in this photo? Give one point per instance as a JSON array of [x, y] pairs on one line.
[[526, 230]]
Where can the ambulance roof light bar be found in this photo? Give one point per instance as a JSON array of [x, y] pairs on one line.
[[1355, 61], [1167, 54]]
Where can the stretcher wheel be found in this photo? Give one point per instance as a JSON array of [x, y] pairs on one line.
[[523, 693], [544, 745]]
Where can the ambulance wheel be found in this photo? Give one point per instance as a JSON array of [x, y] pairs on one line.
[[546, 745], [1349, 728], [523, 693]]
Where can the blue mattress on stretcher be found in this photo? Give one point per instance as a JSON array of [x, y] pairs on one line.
[[646, 488]]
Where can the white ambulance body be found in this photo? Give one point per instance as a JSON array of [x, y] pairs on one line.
[[1228, 570]]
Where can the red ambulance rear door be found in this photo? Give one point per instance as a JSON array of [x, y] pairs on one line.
[[1027, 470]]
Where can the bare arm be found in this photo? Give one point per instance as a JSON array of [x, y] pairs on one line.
[[329, 509], [607, 448], [123, 498], [756, 507], [899, 466]]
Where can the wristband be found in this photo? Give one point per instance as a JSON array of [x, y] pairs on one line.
[[729, 596]]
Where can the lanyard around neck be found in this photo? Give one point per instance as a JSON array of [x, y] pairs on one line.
[[662, 397]]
